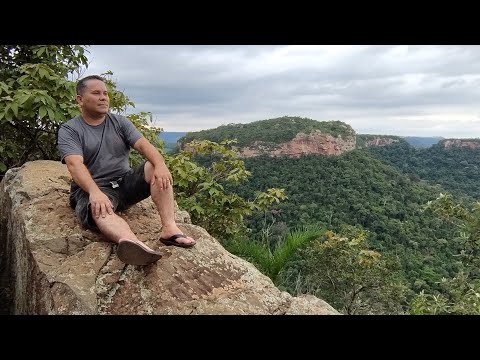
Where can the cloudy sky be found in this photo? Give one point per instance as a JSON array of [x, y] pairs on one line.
[[396, 90]]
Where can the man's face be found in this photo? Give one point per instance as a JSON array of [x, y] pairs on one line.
[[94, 98]]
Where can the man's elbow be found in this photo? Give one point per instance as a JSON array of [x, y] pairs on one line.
[[73, 163], [141, 145]]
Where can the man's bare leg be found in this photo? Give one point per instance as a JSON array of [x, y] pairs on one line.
[[163, 199], [114, 228]]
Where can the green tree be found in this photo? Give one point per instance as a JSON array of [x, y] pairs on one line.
[[35, 97], [460, 294], [341, 269], [199, 188], [272, 261]]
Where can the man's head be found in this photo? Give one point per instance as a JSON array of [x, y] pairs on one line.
[[92, 96]]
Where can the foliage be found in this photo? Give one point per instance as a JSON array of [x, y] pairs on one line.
[[344, 271], [358, 189], [270, 132], [460, 294], [271, 261], [457, 170], [199, 189], [35, 97], [143, 121], [468, 224]]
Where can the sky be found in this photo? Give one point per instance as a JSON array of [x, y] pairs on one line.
[[377, 89]]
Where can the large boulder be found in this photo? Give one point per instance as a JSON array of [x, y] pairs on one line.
[[50, 265]]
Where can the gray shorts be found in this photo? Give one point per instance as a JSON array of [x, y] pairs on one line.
[[132, 188]]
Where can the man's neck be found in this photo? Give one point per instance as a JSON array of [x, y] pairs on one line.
[[91, 119]]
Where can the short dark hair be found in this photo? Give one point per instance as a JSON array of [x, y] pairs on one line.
[[82, 84]]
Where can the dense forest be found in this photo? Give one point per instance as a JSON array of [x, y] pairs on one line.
[[380, 190], [456, 170], [359, 190]]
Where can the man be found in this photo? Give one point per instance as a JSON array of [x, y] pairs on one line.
[[95, 146]]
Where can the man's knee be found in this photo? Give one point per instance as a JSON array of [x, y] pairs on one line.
[[83, 210], [101, 220], [85, 216]]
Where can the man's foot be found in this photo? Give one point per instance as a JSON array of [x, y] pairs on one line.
[[136, 253], [176, 238]]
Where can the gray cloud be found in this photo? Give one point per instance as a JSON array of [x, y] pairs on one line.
[[401, 90]]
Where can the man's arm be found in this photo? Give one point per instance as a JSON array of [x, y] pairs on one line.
[[161, 172], [99, 202]]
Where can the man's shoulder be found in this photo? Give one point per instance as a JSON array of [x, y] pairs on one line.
[[117, 117], [73, 123]]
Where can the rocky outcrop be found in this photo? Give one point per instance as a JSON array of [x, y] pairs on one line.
[[302, 144], [460, 143], [49, 265], [380, 141]]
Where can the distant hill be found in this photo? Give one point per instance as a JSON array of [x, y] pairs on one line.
[[284, 136], [171, 137], [422, 142], [270, 131], [418, 142]]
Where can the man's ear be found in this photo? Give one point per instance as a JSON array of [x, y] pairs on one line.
[[79, 99]]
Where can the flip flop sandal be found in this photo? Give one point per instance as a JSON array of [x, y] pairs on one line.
[[132, 253], [172, 241]]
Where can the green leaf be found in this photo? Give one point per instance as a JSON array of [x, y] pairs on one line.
[[51, 114], [23, 98], [213, 191], [181, 172], [4, 86], [3, 167], [8, 116], [14, 108], [43, 73], [42, 111], [198, 209]]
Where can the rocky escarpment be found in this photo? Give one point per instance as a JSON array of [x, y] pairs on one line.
[[460, 143], [303, 144], [49, 265], [380, 141]]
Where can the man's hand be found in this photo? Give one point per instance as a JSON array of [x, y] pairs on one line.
[[101, 204], [162, 176]]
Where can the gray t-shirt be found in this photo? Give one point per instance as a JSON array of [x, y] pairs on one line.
[[104, 147]]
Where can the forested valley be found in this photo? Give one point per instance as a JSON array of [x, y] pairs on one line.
[[376, 198]]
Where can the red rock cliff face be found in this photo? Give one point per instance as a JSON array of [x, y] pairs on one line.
[[302, 144], [459, 143]]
